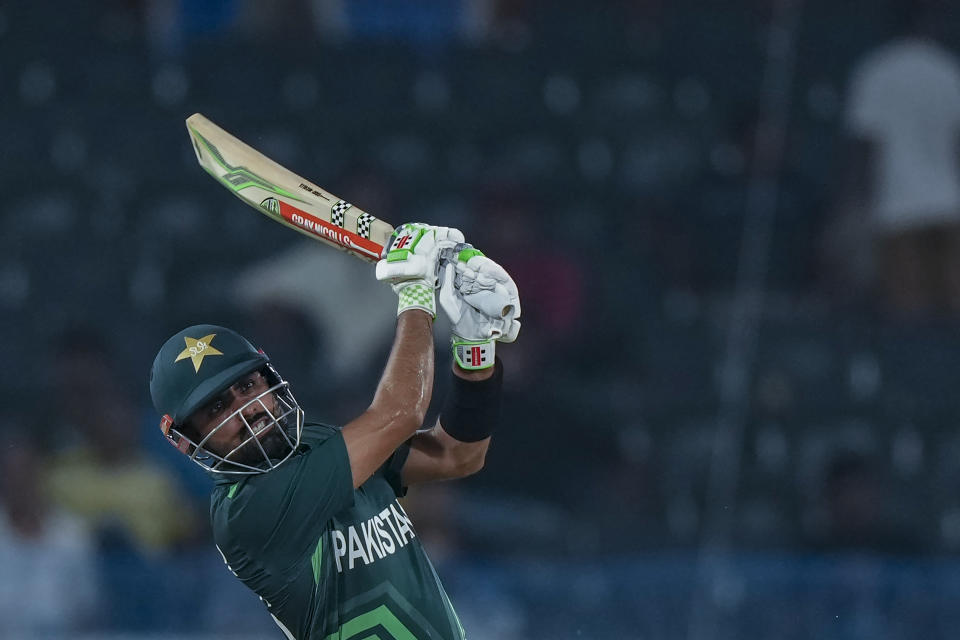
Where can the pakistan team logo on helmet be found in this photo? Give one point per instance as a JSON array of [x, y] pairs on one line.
[[271, 206], [198, 365], [197, 349]]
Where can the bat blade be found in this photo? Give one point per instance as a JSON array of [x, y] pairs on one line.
[[284, 196]]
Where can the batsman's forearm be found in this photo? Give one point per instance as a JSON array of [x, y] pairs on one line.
[[406, 387], [400, 402]]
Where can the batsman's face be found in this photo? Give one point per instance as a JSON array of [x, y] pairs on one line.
[[240, 423]]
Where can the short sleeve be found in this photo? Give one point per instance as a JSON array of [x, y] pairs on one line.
[[392, 469]]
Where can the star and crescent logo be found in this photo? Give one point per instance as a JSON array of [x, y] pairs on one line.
[[198, 349]]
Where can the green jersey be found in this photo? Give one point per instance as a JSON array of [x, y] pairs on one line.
[[330, 561]]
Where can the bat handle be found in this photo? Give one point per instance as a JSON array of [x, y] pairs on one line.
[[447, 256]]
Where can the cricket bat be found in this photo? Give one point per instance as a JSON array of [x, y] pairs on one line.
[[285, 197]]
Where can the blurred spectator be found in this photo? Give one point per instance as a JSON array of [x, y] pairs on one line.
[[903, 178], [47, 585], [135, 509], [101, 475], [859, 510]]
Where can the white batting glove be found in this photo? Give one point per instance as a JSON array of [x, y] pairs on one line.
[[410, 263], [482, 302]]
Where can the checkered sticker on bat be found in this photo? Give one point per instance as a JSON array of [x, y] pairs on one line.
[[364, 220], [337, 211]]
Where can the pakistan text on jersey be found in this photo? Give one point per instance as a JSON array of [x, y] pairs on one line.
[[378, 537]]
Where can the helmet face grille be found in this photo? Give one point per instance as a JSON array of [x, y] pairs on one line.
[[282, 427]]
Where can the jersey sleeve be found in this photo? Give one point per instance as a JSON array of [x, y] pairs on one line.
[[392, 469], [280, 515]]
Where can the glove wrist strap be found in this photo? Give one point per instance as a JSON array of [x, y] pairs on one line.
[[417, 296], [473, 355]]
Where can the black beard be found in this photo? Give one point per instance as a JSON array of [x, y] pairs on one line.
[[273, 443]]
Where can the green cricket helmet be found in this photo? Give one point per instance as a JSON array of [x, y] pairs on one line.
[[200, 363]]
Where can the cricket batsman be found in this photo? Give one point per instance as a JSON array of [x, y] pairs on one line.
[[306, 514]]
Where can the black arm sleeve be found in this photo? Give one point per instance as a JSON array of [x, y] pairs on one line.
[[471, 410]]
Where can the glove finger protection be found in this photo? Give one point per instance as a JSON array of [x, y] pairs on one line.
[[468, 321], [482, 302], [487, 286]]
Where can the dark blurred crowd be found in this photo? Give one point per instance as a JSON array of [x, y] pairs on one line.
[[619, 210]]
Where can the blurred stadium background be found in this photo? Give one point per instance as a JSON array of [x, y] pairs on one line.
[[725, 418]]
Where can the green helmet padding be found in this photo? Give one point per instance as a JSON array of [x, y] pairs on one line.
[[196, 364]]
